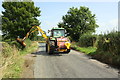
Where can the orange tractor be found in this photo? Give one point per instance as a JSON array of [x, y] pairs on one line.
[[56, 42]]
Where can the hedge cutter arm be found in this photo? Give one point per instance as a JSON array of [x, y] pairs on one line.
[[33, 29]]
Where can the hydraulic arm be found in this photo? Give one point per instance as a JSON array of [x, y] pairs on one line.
[[33, 29]]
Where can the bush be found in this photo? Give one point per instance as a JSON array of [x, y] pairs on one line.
[[108, 49], [87, 40], [18, 45], [110, 43]]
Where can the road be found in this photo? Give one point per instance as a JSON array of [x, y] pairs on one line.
[[72, 65]]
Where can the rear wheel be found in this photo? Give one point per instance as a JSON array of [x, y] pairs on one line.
[[48, 49], [50, 52], [68, 50]]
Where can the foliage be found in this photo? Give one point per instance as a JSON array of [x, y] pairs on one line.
[[106, 57], [78, 22], [12, 58], [108, 49], [6, 50], [18, 18], [110, 43], [87, 40]]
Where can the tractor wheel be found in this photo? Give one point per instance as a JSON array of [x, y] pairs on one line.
[[48, 50], [68, 50]]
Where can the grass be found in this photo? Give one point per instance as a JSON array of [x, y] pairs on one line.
[[103, 56], [30, 48], [107, 57], [86, 50], [14, 69], [14, 57]]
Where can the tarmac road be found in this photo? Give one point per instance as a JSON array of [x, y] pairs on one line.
[[72, 65]]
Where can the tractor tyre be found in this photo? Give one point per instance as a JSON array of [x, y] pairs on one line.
[[68, 50], [48, 50]]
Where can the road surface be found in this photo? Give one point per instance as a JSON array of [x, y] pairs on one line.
[[72, 65]]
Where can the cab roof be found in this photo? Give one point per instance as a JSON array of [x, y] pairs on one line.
[[57, 28]]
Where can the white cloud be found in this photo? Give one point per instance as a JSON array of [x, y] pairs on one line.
[[109, 26]]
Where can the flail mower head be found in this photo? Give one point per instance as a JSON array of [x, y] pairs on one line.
[[21, 42]]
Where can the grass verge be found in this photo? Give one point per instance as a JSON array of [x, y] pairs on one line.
[[12, 59], [105, 57], [86, 50]]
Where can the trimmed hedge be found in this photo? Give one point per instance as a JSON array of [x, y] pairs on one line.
[[108, 49], [88, 40], [110, 43]]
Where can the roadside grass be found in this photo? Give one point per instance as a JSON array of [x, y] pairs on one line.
[[106, 57], [31, 47], [103, 56], [108, 49], [86, 50], [14, 68], [12, 58]]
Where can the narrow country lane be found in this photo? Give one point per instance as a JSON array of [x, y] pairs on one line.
[[72, 65]]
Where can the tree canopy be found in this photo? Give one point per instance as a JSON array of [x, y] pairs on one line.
[[78, 21], [18, 18]]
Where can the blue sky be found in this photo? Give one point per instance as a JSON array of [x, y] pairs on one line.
[[106, 13], [52, 12]]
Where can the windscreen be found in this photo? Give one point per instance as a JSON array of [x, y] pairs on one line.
[[58, 33]]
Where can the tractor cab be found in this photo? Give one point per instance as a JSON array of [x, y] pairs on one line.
[[58, 32]]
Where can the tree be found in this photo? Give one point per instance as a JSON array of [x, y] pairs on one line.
[[18, 18], [78, 22]]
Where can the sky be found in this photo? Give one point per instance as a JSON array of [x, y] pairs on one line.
[[106, 14], [52, 12]]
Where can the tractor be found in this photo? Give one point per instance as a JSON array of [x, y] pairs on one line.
[[57, 42]]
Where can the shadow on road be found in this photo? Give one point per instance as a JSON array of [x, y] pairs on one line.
[[42, 51]]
